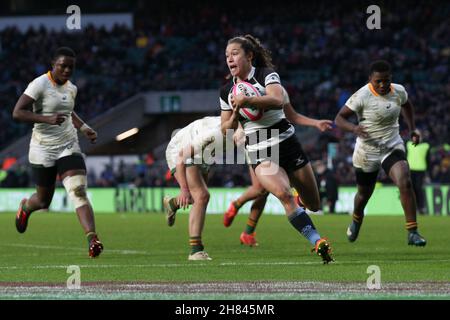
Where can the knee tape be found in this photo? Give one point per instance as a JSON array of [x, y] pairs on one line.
[[76, 190]]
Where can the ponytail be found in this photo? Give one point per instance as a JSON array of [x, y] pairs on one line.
[[263, 57]]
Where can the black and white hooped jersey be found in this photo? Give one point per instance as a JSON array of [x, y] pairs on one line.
[[271, 119]]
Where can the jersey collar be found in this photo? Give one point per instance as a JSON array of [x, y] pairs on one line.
[[376, 94], [250, 75], [49, 76]]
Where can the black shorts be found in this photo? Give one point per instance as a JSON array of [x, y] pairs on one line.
[[365, 178], [46, 177], [291, 155]]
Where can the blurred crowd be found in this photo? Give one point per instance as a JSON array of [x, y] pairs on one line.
[[321, 51]]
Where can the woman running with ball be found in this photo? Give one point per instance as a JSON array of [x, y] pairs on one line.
[[273, 150]]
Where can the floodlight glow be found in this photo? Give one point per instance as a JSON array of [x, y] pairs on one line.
[[127, 134]]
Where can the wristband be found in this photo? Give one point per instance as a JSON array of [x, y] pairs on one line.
[[85, 128]]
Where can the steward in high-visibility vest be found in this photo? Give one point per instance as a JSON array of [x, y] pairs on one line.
[[417, 157]]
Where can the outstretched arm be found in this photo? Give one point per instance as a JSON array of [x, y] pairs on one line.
[[297, 118]]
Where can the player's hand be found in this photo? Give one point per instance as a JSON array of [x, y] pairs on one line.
[[56, 119], [416, 137], [89, 133], [239, 137], [360, 131], [184, 199], [239, 100], [324, 125], [235, 107]]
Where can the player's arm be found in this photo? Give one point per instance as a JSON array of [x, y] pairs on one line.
[[184, 199], [23, 112], [272, 100], [229, 116], [239, 136], [297, 118], [343, 123], [76, 120], [79, 124], [408, 115], [229, 120]]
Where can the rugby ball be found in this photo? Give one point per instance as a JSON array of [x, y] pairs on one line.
[[247, 89]]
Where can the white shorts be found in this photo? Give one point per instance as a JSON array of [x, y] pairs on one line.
[[47, 155], [172, 152], [369, 158]]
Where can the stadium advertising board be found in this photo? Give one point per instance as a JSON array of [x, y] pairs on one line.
[[385, 200]]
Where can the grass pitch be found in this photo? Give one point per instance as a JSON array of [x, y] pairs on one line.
[[146, 259]]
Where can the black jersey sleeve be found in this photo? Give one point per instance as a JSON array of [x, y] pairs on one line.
[[267, 76]]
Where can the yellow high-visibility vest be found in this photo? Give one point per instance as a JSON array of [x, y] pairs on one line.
[[417, 156]]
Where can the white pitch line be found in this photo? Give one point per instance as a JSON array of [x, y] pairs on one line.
[[72, 249], [333, 263], [106, 266], [204, 264]]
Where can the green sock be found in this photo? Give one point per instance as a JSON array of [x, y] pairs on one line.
[[237, 205], [251, 226], [24, 208], [196, 244]]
